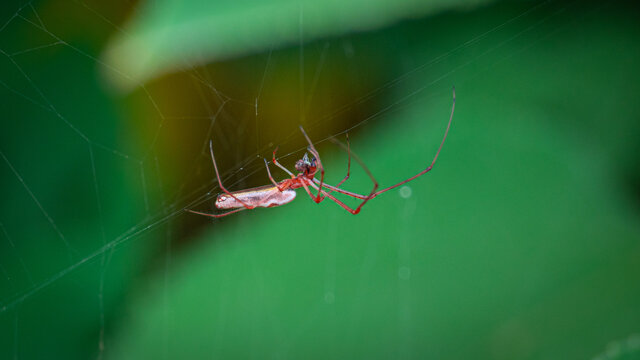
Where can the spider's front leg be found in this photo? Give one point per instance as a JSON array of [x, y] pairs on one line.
[[279, 165], [315, 153], [283, 185]]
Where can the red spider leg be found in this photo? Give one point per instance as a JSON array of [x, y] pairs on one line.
[[332, 188], [313, 150], [215, 167], [216, 215], [364, 199], [348, 163], [355, 195], [280, 166], [266, 164], [341, 191], [282, 185], [343, 205], [305, 182], [446, 132]]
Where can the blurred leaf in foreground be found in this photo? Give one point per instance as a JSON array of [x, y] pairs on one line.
[[168, 35]]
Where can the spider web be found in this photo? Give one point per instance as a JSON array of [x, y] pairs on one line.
[[100, 189]]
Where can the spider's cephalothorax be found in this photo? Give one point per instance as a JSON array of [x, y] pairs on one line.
[[306, 166]]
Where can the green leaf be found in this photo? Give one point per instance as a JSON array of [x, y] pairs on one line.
[[167, 35]]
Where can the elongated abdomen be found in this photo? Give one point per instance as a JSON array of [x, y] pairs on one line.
[[268, 196]]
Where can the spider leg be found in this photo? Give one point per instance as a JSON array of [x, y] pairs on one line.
[[326, 195], [315, 153], [453, 106], [279, 186], [266, 164], [366, 169], [215, 167], [306, 188], [333, 188], [216, 215], [341, 191], [348, 163], [343, 205], [375, 193], [280, 166]]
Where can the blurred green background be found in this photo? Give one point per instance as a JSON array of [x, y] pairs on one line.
[[522, 243]]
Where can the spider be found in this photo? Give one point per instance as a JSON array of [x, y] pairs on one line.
[[283, 192]]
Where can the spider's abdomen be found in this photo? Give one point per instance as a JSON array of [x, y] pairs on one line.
[[268, 196]]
